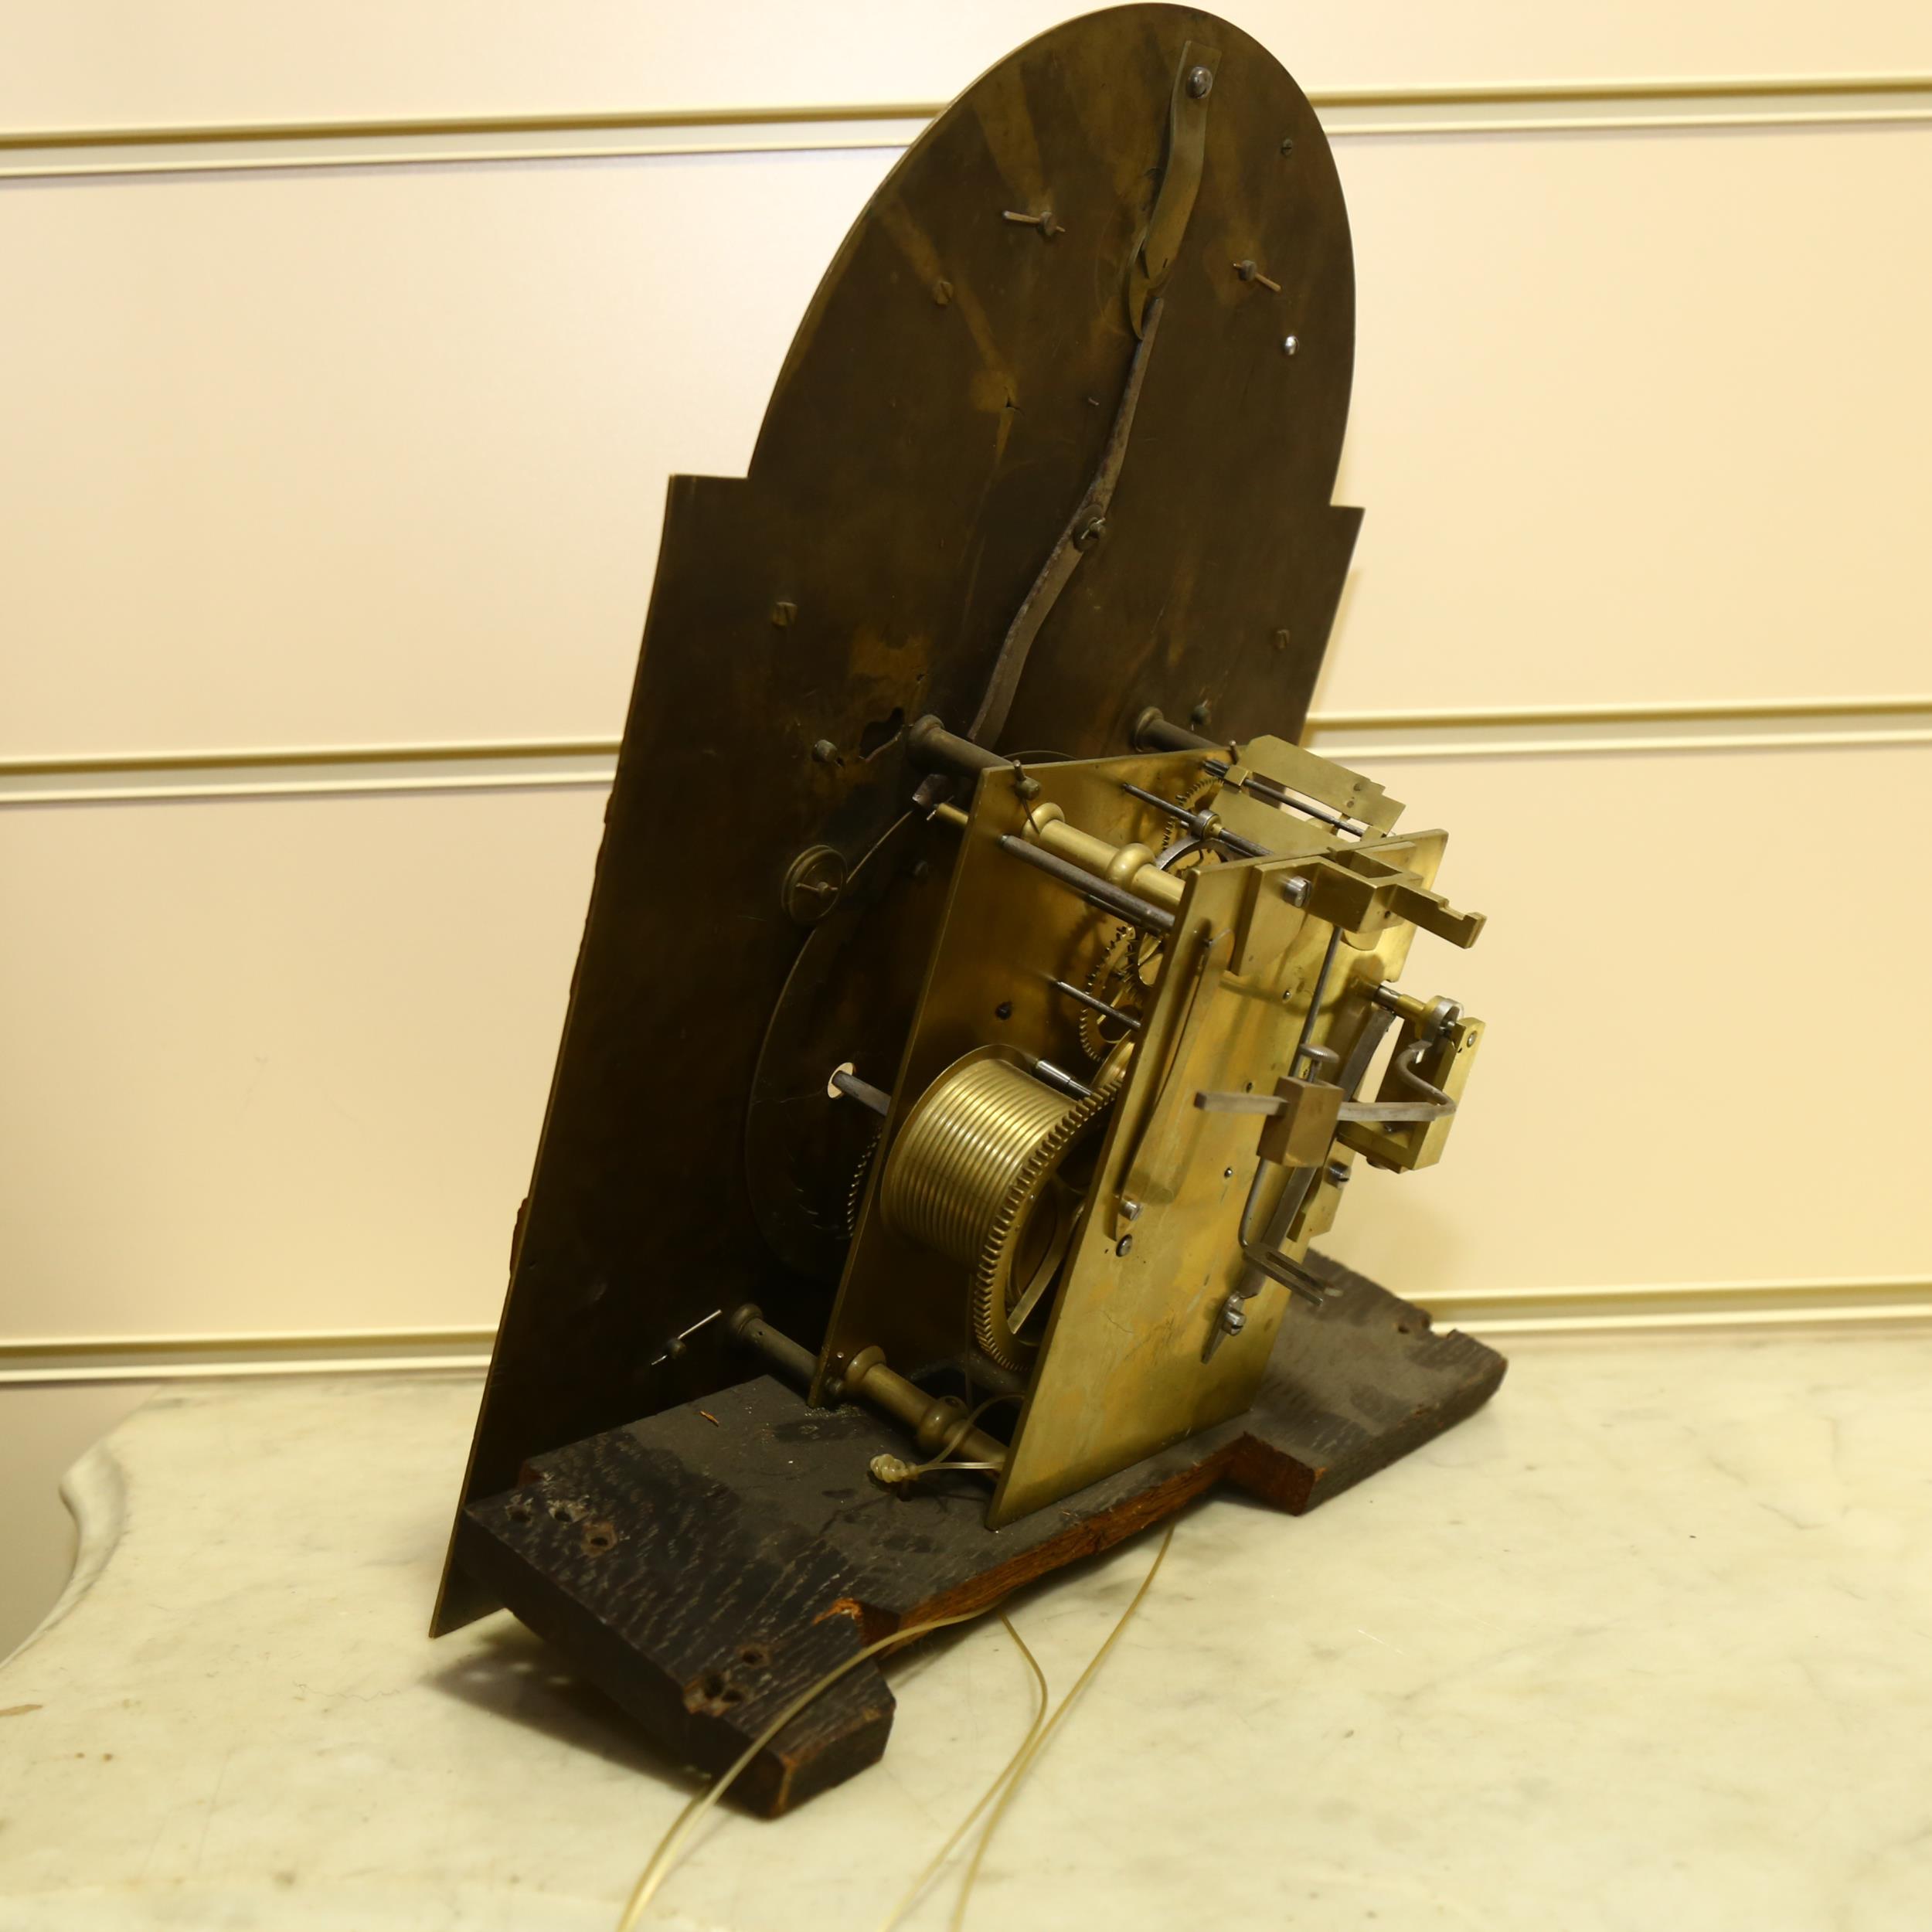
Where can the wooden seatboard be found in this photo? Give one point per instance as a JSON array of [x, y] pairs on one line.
[[706, 1564]]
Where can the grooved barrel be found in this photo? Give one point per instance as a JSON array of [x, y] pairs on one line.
[[971, 1135]]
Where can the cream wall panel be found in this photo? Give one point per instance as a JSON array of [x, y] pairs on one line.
[[378, 457], [82, 62], [1692, 1072], [368, 457], [1638, 417], [277, 1064]]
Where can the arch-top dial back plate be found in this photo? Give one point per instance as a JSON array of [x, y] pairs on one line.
[[944, 411]]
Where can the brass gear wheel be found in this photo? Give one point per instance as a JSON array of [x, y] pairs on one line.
[[855, 1194], [1119, 979], [1193, 797], [975, 1175]]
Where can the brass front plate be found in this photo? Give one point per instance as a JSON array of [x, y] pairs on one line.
[[1121, 1371]]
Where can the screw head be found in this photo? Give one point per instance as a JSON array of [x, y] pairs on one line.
[[1201, 712], [1003, 1010], [823, 752], [813, 884], [1289, 345], [1234, 1317], [1281, 640], [783, 612], [1125, 1245], [942, 291], [1199, 81], [1288, 144], [1129, 1210]]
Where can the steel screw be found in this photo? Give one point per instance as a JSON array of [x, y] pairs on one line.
[[1288, 144], [825, 752], [942, 292], [1234, 1317], [1199, 81], [1129, 1210], [1289, 345], [1338, 1173], [783, 612], [1125, 1245]]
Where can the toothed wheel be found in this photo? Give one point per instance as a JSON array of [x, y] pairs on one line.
[[1028, 1240], [1128, 961], [855, 1195], [976, 1174], [1193, 797]]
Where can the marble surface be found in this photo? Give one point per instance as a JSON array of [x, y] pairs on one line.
[[1646, 1644]]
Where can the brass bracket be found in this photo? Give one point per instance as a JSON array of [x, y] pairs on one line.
[[1160, 244], [1359, 892], [1405, 1125], [1155, 1151]]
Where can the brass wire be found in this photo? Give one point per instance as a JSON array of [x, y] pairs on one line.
[[652, 1877], [1029, 1752], [651, 1880], [942, 1459], [911, 1896]]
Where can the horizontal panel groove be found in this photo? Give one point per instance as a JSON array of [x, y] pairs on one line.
[[243, 133], [1688, 710], [549, 763], [1503, 107], [1646, 1305], [1611, 731], [273, 772]]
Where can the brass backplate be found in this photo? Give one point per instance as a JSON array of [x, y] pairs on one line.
[[1007, 932], [1155, 1250]]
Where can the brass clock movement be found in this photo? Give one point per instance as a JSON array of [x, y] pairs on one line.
[[986, 999]]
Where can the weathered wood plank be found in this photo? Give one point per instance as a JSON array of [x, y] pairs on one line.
[[707, 1563]]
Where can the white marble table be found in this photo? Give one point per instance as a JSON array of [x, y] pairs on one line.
[[1647, 1645]]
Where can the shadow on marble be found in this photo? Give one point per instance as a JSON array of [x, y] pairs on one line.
[[511, 1672]]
